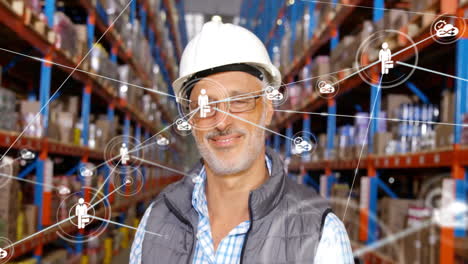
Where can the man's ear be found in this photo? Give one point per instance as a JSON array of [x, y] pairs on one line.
[[268, 107]]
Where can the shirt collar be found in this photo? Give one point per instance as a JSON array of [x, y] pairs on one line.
[[199, 201]]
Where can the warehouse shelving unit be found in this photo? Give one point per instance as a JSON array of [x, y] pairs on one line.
[[15, 21], [270, 29]]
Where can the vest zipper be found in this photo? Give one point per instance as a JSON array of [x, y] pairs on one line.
[[248, 231], [185, 221]]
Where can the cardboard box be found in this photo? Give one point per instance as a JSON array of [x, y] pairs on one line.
[[30, 213], [9, 209], [73, 105], [392, 103], [55, 257], [67, 122], [394, 212], [380, 142], [29, 110], [447, 108], [444, 136], [103, 133]]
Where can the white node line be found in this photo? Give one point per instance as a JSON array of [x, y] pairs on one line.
[[239, 97], [363, 146], [235, 99], [9, 163], [162, 166], [403, 233], [29, 181], [374, 118], [315, 77], [247, 121], [376, 8], [431, 71], [51, 226], [136, 148], [91, 73], [127, 226], [109, 194], [377, 62], [63, 83], [390, 239]]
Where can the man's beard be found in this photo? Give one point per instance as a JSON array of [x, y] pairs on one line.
[[249, 154]]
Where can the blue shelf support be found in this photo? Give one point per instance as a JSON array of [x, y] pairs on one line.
[[133, 10], [30, 168], [386, 189], [107, 169], [85, 113], [372, 224], [374, 111], [143, 18], [287, 144], [306, 127], [277, 142], [461, 93], [331, 128], [44, 95], [91, 27], [418, 92]]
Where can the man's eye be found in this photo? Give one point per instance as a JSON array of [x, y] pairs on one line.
[[239, 102]]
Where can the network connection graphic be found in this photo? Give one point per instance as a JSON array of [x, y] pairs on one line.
[[385, 60]]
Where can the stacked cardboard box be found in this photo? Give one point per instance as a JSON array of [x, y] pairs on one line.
[[9, 209], [63, 118], [285, 49], [344, 53], [29, 110], [447, 108], [464, 138], [66, 35], [56, 257], [394, 214], [8, 114]]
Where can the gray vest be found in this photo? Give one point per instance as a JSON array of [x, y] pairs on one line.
[[286, 222]]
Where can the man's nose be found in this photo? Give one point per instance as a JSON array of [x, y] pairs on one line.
[[222, 120]]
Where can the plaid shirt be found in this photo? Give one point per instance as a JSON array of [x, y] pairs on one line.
[[334, 246]]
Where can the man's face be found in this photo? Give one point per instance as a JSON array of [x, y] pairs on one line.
[[229, 145]]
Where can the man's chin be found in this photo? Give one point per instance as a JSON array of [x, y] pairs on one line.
[[226, 160]]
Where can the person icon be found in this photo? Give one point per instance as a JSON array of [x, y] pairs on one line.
[[81, 211], [3, 253], [203, 103], [124, 154], [385, 57]]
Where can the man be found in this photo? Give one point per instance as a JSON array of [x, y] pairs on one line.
[[240, 207], [385, 57], [81, 211]]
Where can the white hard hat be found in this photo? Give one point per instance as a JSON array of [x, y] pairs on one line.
[[220, 44]]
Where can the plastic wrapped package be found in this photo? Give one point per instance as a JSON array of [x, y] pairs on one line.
[[8, 115], [125, 75], [35, 5], [32, 126], [286, 48], [113, 9], [67, 37]]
